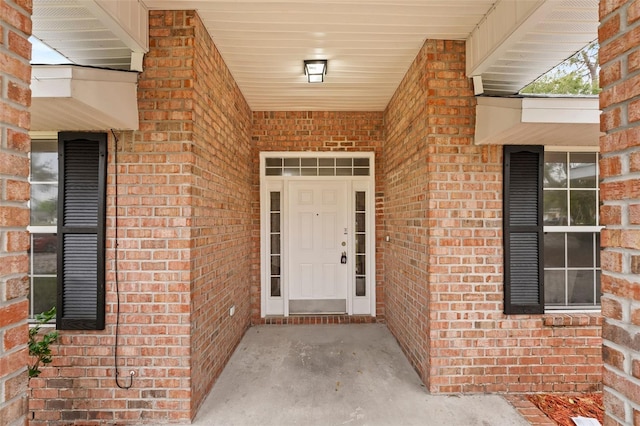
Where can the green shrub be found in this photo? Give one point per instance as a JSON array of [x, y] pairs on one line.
[[39, 343]]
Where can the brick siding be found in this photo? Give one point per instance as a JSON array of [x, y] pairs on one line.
[[619, 37], [184, 228], [15, 98], [444, 263]]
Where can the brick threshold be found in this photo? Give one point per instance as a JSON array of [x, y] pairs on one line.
[[318, 319], [528, 410]]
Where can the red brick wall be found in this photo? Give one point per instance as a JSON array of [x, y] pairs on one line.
[[222, 222], [15, 98], [619, 36], [406, 206], [184, 215], [443, 265], [317, 131]]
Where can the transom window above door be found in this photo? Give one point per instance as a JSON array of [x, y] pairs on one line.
[[312, 166]]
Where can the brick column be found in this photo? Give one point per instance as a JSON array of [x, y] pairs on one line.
[[15, 98], [620, 195]]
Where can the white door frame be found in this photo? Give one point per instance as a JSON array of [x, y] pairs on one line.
[[278, 305]]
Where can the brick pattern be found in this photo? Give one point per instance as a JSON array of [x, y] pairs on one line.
[[184, 228], [443, 266], [619, 37], [317, 131], [222, 217], [15, 98]]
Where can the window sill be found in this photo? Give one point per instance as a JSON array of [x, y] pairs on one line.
[[572, 319]]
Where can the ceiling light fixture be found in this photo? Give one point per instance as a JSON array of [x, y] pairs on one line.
[[315, 69]]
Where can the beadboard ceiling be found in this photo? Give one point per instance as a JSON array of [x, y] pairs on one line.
[[369, 43]]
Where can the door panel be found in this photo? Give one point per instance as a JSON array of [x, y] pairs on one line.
[[317, 230]]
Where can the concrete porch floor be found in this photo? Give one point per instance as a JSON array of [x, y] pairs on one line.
[[353, 374]]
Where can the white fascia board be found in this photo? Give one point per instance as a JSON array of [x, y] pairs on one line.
[[561, 110], [111, 94], [540, 121]]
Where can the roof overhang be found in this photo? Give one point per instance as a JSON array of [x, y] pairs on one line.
[[69, 97], [538, 121]]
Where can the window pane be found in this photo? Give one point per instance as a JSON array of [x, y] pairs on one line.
[[44, 204], [598, 248], [554, 250], [361, 162], [275, 202], [275, 222], [360, 224], [582, 170], [43, 247], [581, 287], [309, 172], [309, 162], [598, 287], [344, 162], [555, 170], [275, 287], [555, 208], [579, 249], [554, 288], [275, 244], [44, 294], [583, 208], [360, 265], [274, 162], [327, 162], [44, 166], [360, 243], [291, 162], [275, 265], [361, 288], [360, 201]]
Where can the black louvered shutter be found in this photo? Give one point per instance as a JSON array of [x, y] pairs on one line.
[[523, 231], [81, 230]]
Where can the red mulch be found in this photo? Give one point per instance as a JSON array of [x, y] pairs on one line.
[[560, 408]]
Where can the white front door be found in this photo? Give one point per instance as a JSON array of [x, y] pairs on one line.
[[318, 236]]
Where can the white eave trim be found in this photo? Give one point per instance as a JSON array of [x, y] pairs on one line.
[[70, 97], [537, 121]]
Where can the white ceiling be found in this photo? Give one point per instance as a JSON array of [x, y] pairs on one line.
[[369, 43]]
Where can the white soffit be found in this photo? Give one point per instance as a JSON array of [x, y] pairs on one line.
[[537, 121], [101, 33], [69, 97], [520, 40], [369, 44]]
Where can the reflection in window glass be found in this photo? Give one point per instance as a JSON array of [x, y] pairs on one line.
[[555, 208], [583, 205], [44, 290], [555, 170]]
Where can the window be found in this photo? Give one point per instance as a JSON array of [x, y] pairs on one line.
[[551, 231], [68, 179], [571, 231], [44, 214]]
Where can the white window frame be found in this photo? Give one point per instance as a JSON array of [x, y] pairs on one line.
[[568, 228]]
